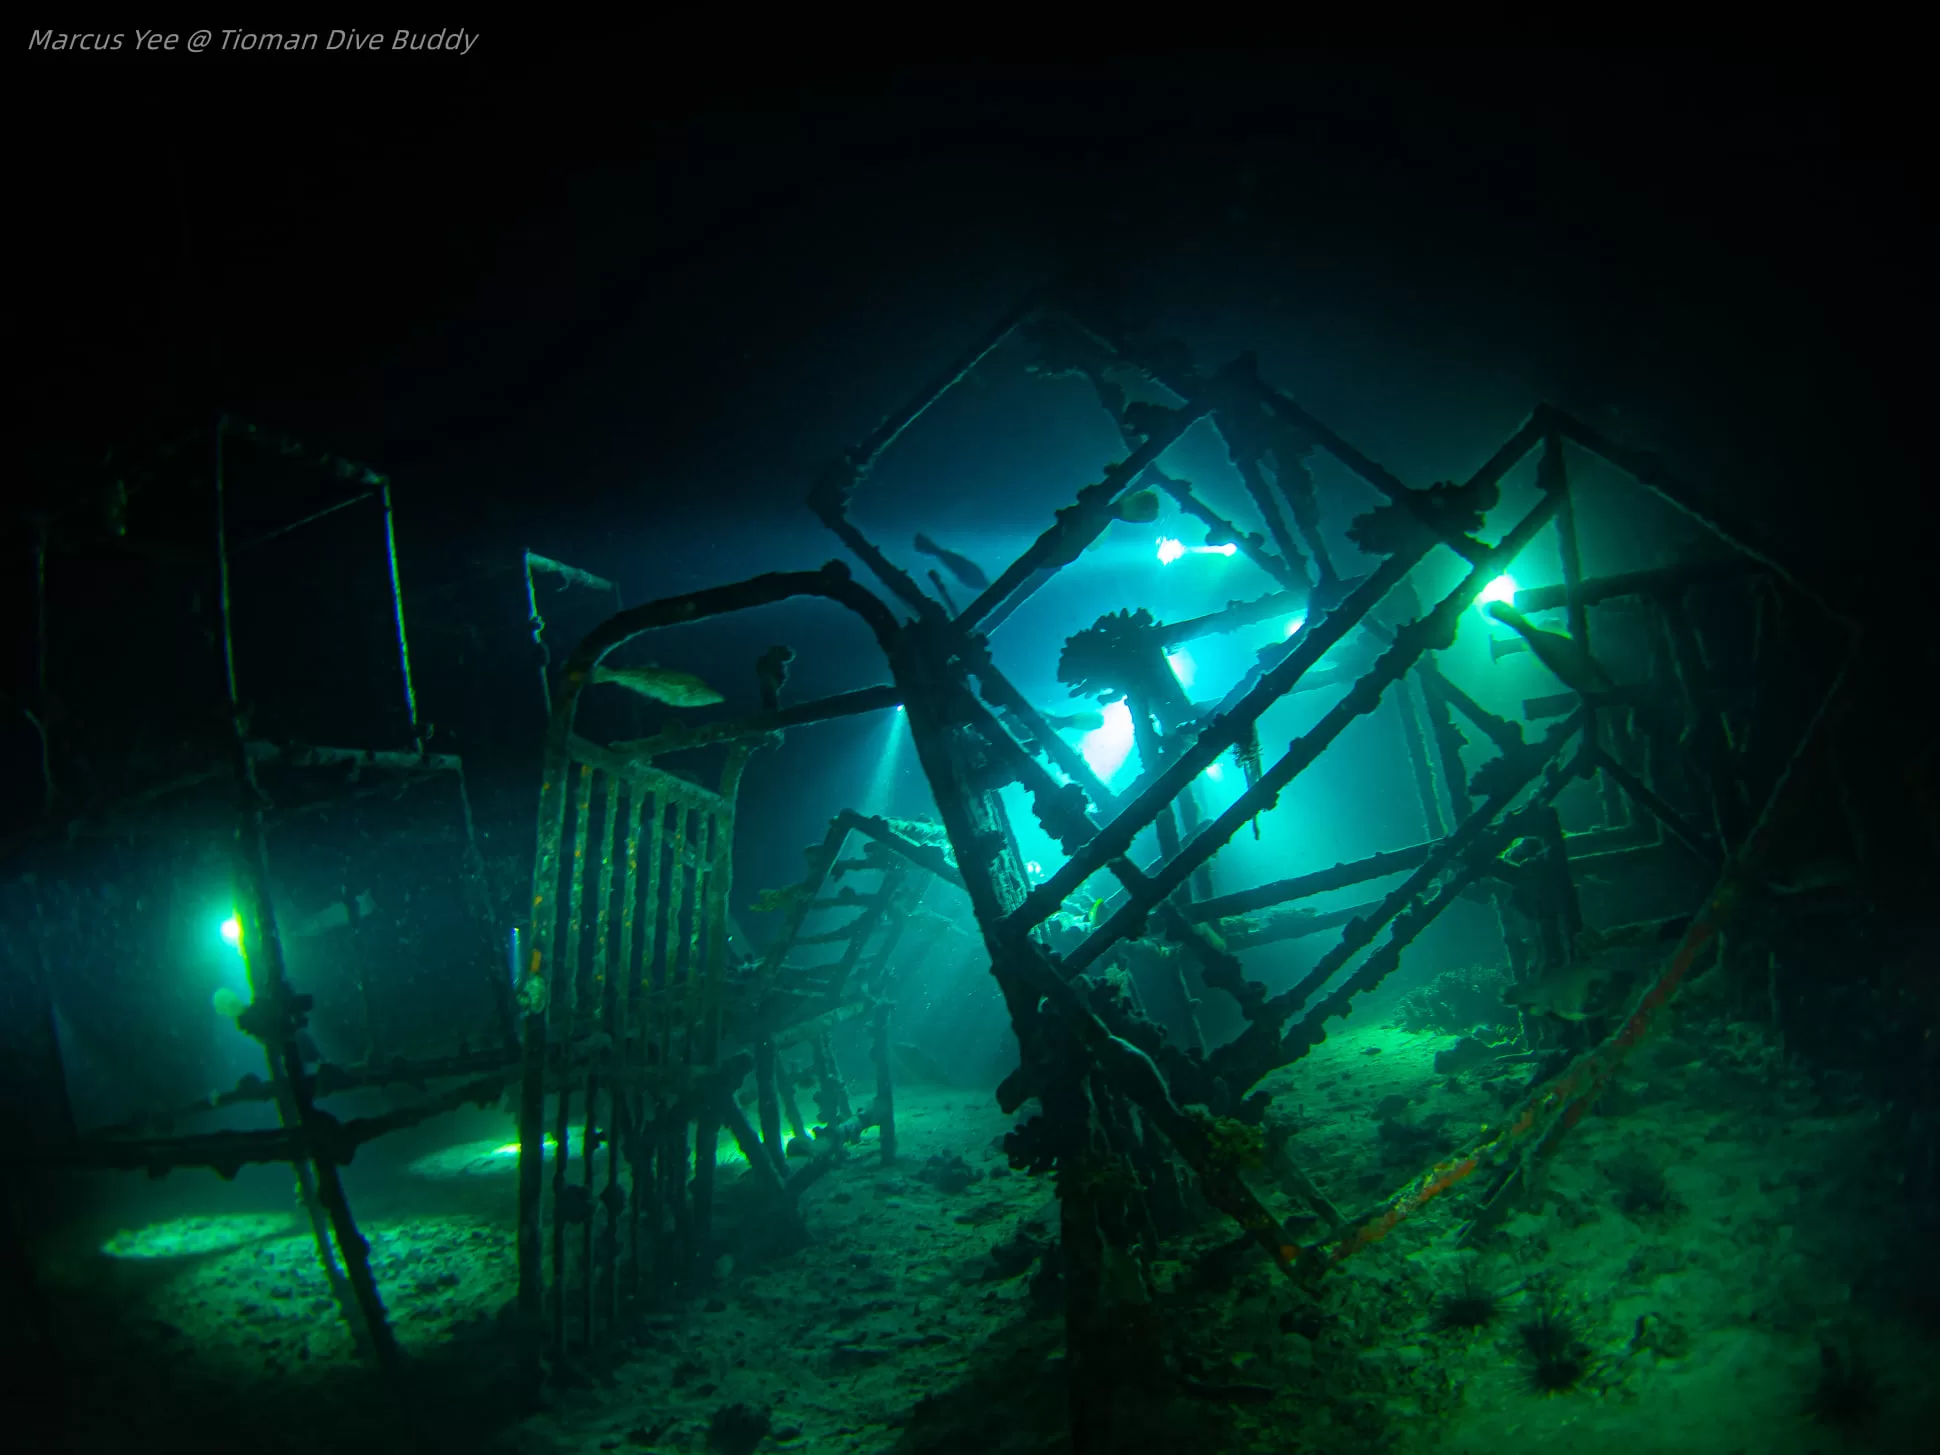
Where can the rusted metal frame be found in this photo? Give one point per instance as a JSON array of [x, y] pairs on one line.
[[713, 927], [669, 785], [707, 1121], [1649, 471], [892, 937], [1295, 925], [225, 1153], [1360, 933], [1713, 748], [319, 1187], [1253, 1052], [1548, 1114], [995, 884], [640, 1019], [820, 863], [864, 927], [621, 990], [926, 857], [885, 1107], [1417, 745], [601, 1017], [1231, 618], [1554, 475], [1078, 525], [831, 582], [669, 1000], [829, 497], [1411, 922], [1304, 506], [1411, 643], [565, 1018], [1249, 544], [1661, 582], [759, 725], [1292, 561], [670, 995], [1701, 845], [997, 689], [1305, 886], [1216, 735], [1186, 385], [1448, 742]]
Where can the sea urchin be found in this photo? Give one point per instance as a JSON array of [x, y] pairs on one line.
[[1471, 1303], [1557, 1357]]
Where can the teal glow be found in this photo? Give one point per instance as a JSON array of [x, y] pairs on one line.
[[1503, 589], [1170, 550], [1294, 624], [1106, 748], [1182, 665], [231, 931], [1214, 772], [1228, 549]]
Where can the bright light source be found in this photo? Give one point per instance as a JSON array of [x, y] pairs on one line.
[[1214, 772], [1226, 550], [231, 931], [1183, 667], [1294, 624], [1170, 550], [1107, 747], [1034, 869], [899, 707], [1503, 589]]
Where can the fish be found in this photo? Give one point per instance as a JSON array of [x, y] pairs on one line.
[[336, 917], [1564, 992], [1141, 507], [962, 567], [1074, 722], [1831, 872], [661, 684]]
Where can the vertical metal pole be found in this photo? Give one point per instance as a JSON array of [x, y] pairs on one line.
[[885, 1086], [319, 1189], [397, 606], [624, 1097], [598, 1008], [1553, 474], [565, 998]]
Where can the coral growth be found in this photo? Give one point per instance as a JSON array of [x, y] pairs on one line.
[[1457, 1001]]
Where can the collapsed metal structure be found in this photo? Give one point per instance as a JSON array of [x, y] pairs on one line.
[[315, 1143], [633, 1015], [1133, 1113]]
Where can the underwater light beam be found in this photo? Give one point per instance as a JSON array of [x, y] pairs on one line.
[[1502, 589], [1106, 748], [231, 931]]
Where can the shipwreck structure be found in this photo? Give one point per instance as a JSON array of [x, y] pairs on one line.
[[1691, 743], [1688, 700]]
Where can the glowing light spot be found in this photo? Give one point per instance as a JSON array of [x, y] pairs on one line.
[[1215, 771], [1294, 624], [192, 1237], [1228, 549], [1503, 589], [899, 707], [231, 931], [1170, 550], [1183, 667], [1106, 748], [1034, 869]]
